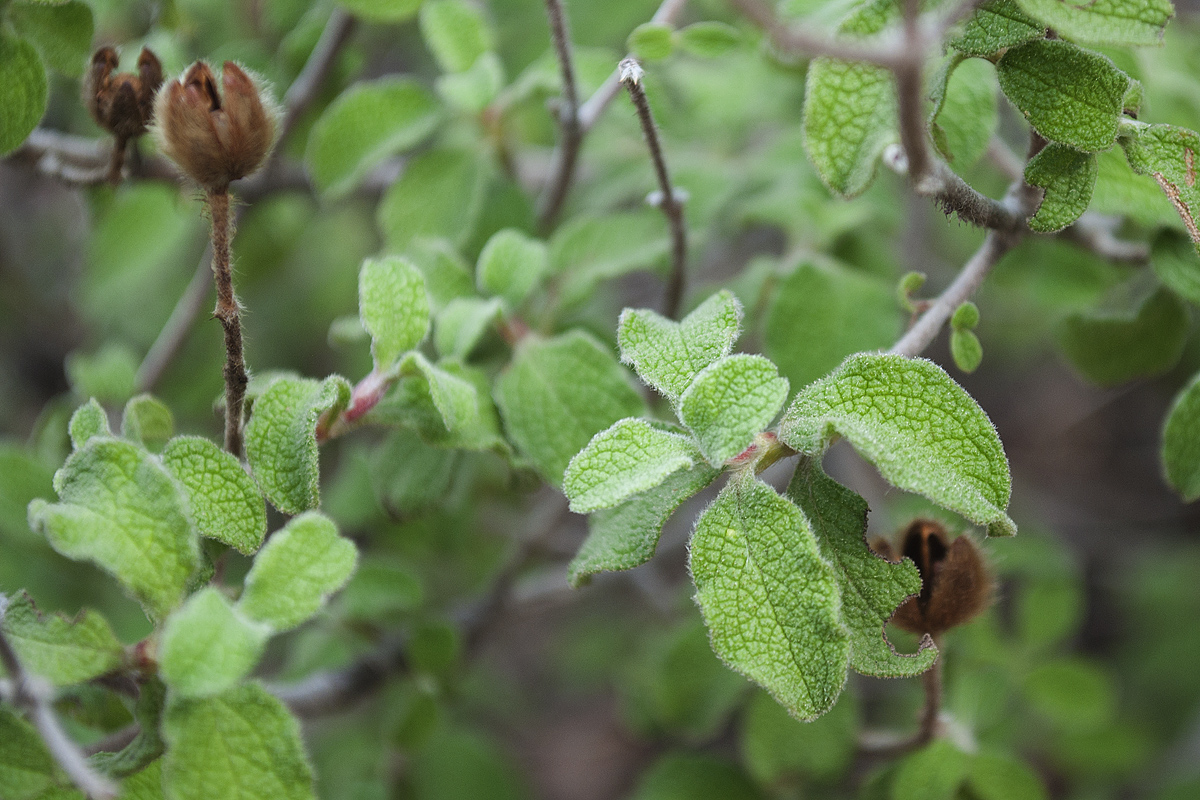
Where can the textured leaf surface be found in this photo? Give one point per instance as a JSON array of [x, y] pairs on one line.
[[225, 503], [147, 421], [1068, 94], [871, 588], [770, 601], [1104, 22], [456, 32], [22, 91], [61, 32], [61, 650], [628, 458], [1168, 154], [296, 571], [1113, 348], [208, 646], [121, 509], [88, 420], [626, 536], [26, 768], [1181, 442], [558, 393], [393, 307], [456, 399], [240, 745], [729, 402], [281, 439], [1068, 178], [996, 26], [447, 403], [666, 354], [916, 425], [363, 126], [438, 196], [511, 265]]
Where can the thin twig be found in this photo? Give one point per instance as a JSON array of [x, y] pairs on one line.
[[566, 154], [33, 696], [670, 201], [1094, 232], [228, 312], [954, 195], [910, 95], [885, 51], [303, 91], [931, 683]]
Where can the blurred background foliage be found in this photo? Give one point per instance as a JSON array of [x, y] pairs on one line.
[[1080, 683]]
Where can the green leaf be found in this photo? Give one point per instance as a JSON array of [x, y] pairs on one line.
[[1181, 442], [997, 777], [511, 265], [1122, 192], [770, 601], [439, 195], [850, 109], [61, 650], [689, 776], [558, 393], [708, 39], [1168, 154], [146, 784], [146, 747], [966, 113], [62, 33], [208, 646], [871, 588], [23, 477], [965, 317], [22, 91], [1072, 693], [1068, 94], [821, 314], [365, 125], [281, 439], [393, 307], [651, 41], [447, 404], [1175, 263], [475, 89], [118, 504], [147, 421], [300, 566], [932, 773], [1112, 348], [1104, 22], [590, 249], [916, 425], [410, 476], [996, 25], [240, 745], [88, 420], [1069, 178], [775, 747], [224, 501], [667, 355], [626, 536], [463, 322], [463, 763], [456, 399], [109, 374], [730, 402], [26, 768], [630, 457], [382, 10], [965, 349], [456, 32]]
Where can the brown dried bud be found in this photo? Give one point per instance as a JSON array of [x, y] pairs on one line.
[[955, 582], [120, 102], [215, 137]]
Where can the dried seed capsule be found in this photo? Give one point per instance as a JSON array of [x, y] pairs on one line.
[[120, 102]]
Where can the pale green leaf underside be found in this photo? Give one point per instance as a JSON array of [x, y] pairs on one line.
[[871, 588], [294, 573], [668, 354], [996, 26], [729, 402], [1113, 348], [630, 457], [456, 399], [281, 439], [916, 425], [224, 501], [61, 650], [770, 601], [1181, 442], [240, 745], [1168, 153], [1068, 178], [1104, 22], [207, 646], [88, 420], [393, 307]]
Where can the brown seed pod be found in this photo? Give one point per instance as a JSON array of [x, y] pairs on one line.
[[215, 136], [955, 582], [120, 102]]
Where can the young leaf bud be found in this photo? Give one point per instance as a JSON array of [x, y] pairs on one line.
[[955, 583], [215, 136], [122, 103]]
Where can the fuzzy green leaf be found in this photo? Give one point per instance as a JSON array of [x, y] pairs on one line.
[[365, 125], [770, 601], [26, 768], [1181, 442], [22, 91], [1069, 178], [456, 399], [997, 25], [730, 401], [439, 195], [916, 425], [456, 32], [393, 306], [382, 10], [934, 772], [667, 355], [62, 33], [462, 323], [871, 588], [630, 457], [88, 420], [651, 41], [240, 745], [1104, 22], [511, 265], [708, 39], [446, 403], [61, 650], [281, 439], [1113, 348], [224, 501], [965, 349], [558, 393], [208, 646], [147, 421], [1168, 153], [296, 571], [1068, 94], [626, 536], [1176, 265], [965, 317], [118, 505], [966, 114]]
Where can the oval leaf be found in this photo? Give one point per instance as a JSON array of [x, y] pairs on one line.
[[393, 306], [730, 402], [225, 503], [207, 646], [628, 458]]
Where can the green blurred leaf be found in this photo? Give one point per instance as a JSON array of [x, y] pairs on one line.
[[965, 317], [22, 91], [27, 770], [439, 195], [61, 650], [688, 776], [1176, 265], [460, 763], [776, 747], [147, 421], [1111, 348], [1104, 22], [475, 89], [966, 115], [225, 503], [997, 777], [511, 265], [23, 477], [146, 746], [62, 33], [916, 425], [393, 306], [1181, 442], [966, 350], [1072, 693], [731, 401], [456, 32], [1069, 178], [629, 457], [651, 41], [410, 476], [934, 772], [1122, 192], [590, 249], [108, 375], [207, 646], [88, 420], [463, 322], [708, 39], [996, 25], [1168, 154]]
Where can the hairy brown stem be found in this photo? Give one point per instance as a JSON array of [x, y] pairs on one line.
[[566, 155], [117, 162], [227, 312]]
